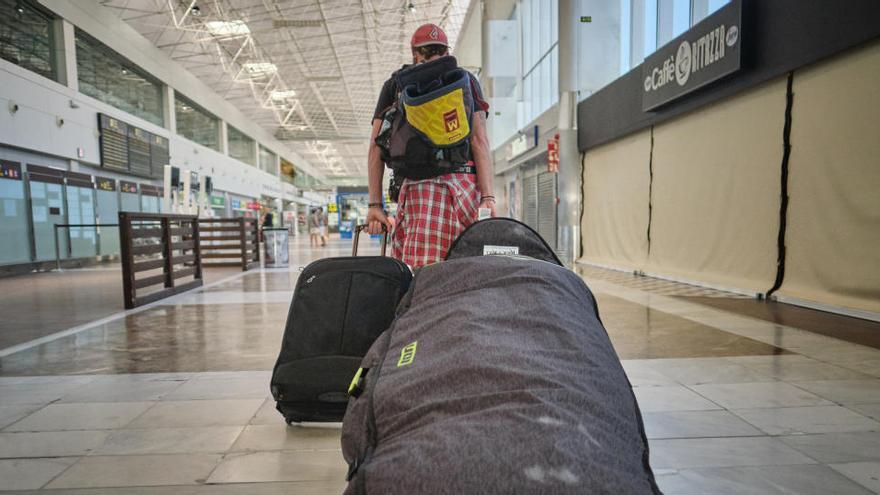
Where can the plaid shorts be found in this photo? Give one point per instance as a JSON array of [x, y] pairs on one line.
[[431, 213]]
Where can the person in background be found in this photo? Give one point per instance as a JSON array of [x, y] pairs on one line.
[[325, 234], [431, 212], [314, 229], [322, 225]]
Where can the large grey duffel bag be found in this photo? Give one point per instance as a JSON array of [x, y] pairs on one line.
[[496, 376]]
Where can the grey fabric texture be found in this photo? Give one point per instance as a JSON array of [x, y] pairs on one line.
[[513, 387]]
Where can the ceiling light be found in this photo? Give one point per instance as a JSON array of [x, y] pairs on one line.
[[195, 10], [411, 8], [260, 68], [19, 7], [281, 95], [227, 28]]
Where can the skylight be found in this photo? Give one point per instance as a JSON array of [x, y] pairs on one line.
[[227, 28]]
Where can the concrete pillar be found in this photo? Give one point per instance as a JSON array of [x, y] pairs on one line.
[[168, 113], [64, 42], [224, 138], [569, 179]]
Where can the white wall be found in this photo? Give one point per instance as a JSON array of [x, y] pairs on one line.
[[42, 101]]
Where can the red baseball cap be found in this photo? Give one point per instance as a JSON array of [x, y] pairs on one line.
[[429, 34]]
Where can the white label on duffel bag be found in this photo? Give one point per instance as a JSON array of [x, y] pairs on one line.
[[487, 250]]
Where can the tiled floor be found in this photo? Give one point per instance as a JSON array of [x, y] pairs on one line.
[[173, 399]]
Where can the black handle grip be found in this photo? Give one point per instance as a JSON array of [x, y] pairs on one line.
[[357, 235]]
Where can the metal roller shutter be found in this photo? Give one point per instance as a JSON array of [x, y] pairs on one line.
[[530, 201], [546, 186]]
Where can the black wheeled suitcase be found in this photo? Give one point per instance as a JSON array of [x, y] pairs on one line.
[[340, 306]]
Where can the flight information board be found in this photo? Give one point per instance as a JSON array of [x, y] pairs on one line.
[[131, 149], [139, 151], [113, 143], [159, 156]]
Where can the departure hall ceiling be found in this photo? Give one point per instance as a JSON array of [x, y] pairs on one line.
[[308, 71]]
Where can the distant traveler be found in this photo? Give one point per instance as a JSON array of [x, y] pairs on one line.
[[430, 128], [322, 224], [314, 228]]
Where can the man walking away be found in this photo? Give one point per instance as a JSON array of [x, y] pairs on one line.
[[430, 127]]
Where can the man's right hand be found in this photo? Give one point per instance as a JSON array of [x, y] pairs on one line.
[[376, 218]]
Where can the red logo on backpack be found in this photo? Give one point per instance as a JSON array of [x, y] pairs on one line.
[[450, 118]]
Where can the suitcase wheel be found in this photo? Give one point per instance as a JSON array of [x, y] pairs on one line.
[[290, 421]]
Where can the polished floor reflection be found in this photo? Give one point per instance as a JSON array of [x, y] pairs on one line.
[[173, 398]]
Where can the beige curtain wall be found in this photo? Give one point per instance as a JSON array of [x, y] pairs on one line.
[[833, 234], [716, 192], [615, 217]]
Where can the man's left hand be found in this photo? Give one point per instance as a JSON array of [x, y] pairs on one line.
[[490, 204]]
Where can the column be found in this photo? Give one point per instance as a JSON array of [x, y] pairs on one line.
[[65, 53], [569, 179], [168, 109], [224, 138]]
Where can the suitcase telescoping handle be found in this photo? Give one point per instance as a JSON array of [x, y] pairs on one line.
[[357, 235]]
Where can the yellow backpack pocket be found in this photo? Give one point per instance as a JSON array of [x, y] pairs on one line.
[[443, 120]]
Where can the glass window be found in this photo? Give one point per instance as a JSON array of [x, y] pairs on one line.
[[650, 27], [702, 8], [625, 35], [106, 76], [673, 18], [240, 146], [26, 37], [267, 161], [195, 123]]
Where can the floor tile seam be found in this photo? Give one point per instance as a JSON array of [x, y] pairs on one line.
[[626, 293], [795, 433], [102, 321], [60, 474], [800, 385], [690, 387], [102, 487]]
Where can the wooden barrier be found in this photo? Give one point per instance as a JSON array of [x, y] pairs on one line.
[[150, 242], [230, 242]]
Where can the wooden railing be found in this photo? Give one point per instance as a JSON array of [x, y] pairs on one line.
[[230, 242], [158, 249]]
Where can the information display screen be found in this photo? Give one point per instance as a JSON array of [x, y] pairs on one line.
[[127, 148], [159, 156], [114, 143], [139, 151]]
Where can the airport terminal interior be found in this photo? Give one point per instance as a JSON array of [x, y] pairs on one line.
[[174, 174]]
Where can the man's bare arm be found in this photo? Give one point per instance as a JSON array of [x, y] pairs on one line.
[[483, 159], [375, 172]]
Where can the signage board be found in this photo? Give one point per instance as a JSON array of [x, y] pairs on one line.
[[105, 184], [705, 53], [10, 170], [128, 187], [527, 140], [218, 201], [553, 154], [236, 204]]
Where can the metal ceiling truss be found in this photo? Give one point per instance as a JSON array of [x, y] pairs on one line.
[[308, 71]]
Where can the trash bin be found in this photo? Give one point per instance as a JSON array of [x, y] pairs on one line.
[[275, 247]]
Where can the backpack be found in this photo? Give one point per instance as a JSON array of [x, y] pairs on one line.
[[427, 130]]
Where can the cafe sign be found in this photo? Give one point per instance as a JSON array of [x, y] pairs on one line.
[[707, 52]]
